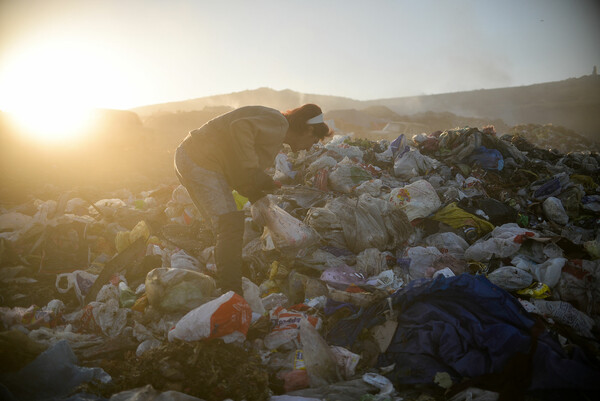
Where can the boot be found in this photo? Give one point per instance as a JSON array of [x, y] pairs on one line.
[[228, 251]]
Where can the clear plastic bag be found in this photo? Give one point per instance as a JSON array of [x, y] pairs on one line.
[[320, 361], [172, 290], [288, 234]]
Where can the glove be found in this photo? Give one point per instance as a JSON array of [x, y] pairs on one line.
[[258, 184], [263, 181]]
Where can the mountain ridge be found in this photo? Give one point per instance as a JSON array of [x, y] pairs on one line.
[[573, 103]]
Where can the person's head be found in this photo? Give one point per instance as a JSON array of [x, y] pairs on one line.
[[306, 127]]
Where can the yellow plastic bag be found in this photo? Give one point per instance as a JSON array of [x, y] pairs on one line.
[[141, 230], [536, 290], [458, 218], [122, 240]]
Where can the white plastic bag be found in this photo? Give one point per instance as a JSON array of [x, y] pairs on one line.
[[227, 317], [417, 200], [107, 314], [413, 164], [252, 296], [173, 290], [182, 260], [565, 313], [548, 272], [555, 211], [510, 278], [448, 242], [338, 146], [421, 258], [372, 187], [79, 280], [493, 247]]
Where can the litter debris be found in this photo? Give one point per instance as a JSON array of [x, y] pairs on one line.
[[431, 267]]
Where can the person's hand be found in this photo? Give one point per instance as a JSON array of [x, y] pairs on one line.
[[257, 185], [263, 181]]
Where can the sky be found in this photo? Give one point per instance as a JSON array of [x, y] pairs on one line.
[[127, 53]]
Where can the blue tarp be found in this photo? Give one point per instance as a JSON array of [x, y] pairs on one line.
[[468, 327]]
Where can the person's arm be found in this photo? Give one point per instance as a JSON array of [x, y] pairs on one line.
[[244, 133], [269, 131]]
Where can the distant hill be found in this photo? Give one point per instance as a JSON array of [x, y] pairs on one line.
[[573, 103]]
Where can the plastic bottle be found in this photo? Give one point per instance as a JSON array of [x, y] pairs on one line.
[[470, 234]]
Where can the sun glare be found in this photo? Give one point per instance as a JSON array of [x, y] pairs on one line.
[[48, 89]]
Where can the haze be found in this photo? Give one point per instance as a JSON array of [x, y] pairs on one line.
[[123, 54]]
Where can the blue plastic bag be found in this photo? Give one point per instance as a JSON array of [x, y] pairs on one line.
[[489, 159]]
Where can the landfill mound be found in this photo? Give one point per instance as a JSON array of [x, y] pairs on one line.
[[461, 264], [549, 136]]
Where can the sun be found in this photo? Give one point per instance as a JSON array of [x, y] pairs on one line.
[[48, 90]]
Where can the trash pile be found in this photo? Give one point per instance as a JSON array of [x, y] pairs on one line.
[[456, 265], [549, 136]]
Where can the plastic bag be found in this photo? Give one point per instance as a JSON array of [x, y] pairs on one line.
[[338, 146], [548, 272], [286, 326], [343, 276], [413, 164], [457, 218], [14, 221], [510, 278], [79, 280], [346, 176], [417, 200], [489, 159], [289, 234], [227, 317], [421, 258], [593, 247], [107, 313], [182, 260], [319, 359], [565, 313], [492, 248], [372, 187], [554, 210], [448, 242], [283, 169], [578, 285], [371, 262], [54, 374], [385, 386], [173, 290], [124, 238], [323, 162], [252, 296], [346, 360], [181, 195]]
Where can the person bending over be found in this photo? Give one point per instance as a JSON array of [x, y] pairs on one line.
[[232, 151]]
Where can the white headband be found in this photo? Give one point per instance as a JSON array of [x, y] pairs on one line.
[[316, 120]]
